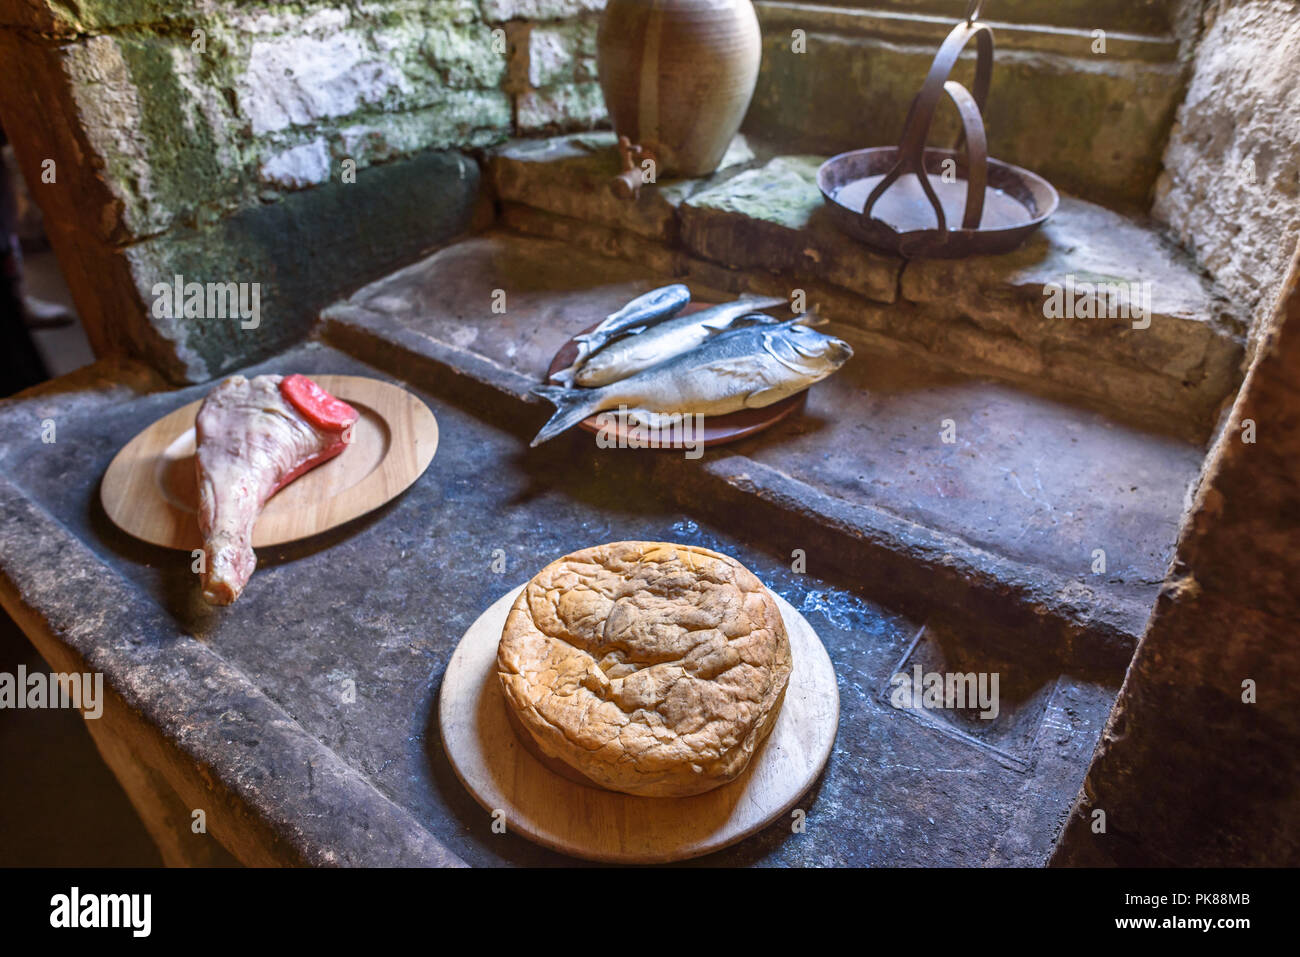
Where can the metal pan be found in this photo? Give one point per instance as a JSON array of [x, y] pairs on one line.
[[1016, 203], [901, 199]]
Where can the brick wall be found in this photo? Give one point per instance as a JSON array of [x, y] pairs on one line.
[[552, 62], [306, 147]]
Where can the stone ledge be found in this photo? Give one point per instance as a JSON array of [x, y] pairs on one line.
[[765, 229], [570, 176], [1000, 528], [1091, 250], [773, 219], [1070, 40], [1014, 605]]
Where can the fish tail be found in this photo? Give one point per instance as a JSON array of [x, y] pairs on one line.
[[585, 348], [571, 407], [565, 376]]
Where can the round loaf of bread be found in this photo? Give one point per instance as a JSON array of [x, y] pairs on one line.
[[645, 667]]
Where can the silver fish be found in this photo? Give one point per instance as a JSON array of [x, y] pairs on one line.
[[645, 310], [744, 368], [632, 354]]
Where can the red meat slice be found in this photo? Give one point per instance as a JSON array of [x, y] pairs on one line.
[[254, 437]]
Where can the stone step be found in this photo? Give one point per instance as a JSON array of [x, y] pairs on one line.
[[1167, 357], [999, 529], [1070, 35], [1165, 353], [571, 175], [1094, 123], [1134, 15]]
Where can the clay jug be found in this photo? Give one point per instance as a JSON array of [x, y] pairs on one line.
[[678, 76]]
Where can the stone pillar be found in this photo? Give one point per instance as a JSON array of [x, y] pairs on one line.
[[1199, 764], [1229, 188]]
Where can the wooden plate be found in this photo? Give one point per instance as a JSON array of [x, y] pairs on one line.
[[718, 430], [150, 489], [607, 826]]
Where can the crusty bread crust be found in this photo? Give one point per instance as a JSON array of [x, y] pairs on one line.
[[646, 667]]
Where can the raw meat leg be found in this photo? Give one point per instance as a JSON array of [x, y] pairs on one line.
[[254, 437]]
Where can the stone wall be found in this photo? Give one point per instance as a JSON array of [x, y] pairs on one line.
[[552, 62], [1230, 189], [302, 147], [1199, 764], [1091, 116], [309, 146]]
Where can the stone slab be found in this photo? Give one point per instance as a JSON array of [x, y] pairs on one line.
[[1189, 335], [246, 762], [774, 219], [1020, 500], [1182, 362], [1068, 361], [258, 693], [570, 176]]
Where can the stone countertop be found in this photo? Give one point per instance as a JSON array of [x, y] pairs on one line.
[[1012, 508], [254, 696]]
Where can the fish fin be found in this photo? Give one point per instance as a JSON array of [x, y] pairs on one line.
[[725, 323], [769, 302], [597, 339], [571, 407], [613, 337], [812, 319], [783, 350], [764, 397]]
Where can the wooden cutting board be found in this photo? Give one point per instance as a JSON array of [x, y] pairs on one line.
[[607, 826], [150, 489]]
